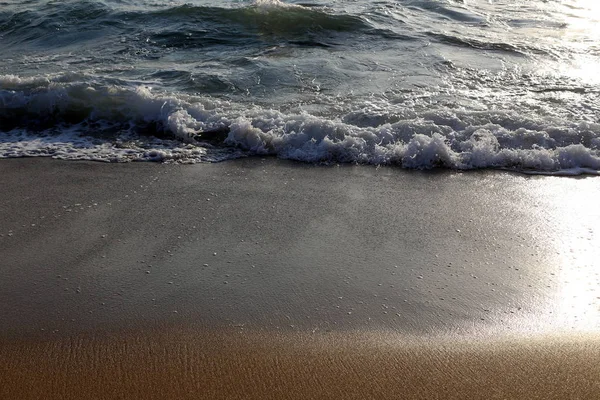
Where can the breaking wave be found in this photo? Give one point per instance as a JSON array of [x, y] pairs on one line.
[[68, 116]]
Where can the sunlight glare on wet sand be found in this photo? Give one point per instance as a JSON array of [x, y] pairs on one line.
[[574, 234]]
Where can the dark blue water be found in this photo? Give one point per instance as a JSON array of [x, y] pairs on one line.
[[413, 83]]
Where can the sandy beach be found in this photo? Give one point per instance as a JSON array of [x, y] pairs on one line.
[[261, 278], [184, 364]]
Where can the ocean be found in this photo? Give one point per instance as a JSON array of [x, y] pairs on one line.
[[417, 84]]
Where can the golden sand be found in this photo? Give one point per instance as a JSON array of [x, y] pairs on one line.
[[176, 364]]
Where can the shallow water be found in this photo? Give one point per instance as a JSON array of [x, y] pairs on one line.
[[414, 83]]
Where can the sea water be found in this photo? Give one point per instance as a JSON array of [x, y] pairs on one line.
[[460, 84]]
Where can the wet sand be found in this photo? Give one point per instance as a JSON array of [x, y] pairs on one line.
[[271, 279]]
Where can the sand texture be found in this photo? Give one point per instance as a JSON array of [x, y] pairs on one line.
[[195, 365], [270, 279]]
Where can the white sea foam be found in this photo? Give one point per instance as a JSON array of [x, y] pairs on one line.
[[270, 4], [70, 145], [64, 118]]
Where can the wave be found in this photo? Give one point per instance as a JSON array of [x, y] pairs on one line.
[[176, 26], [448, 10], [67, 117], [51, 23], [269, 16]]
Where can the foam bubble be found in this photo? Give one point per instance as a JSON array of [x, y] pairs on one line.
[[67, 117], [269, 4]]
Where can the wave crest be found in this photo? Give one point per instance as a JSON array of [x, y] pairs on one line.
[[46, 106]]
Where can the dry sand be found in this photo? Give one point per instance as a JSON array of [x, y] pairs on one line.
[[270, 279], [183, 364]]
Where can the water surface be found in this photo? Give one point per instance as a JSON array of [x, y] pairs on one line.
[[414, 83]]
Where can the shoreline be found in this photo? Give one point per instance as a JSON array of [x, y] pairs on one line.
[[285, 246], [262, 278]]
